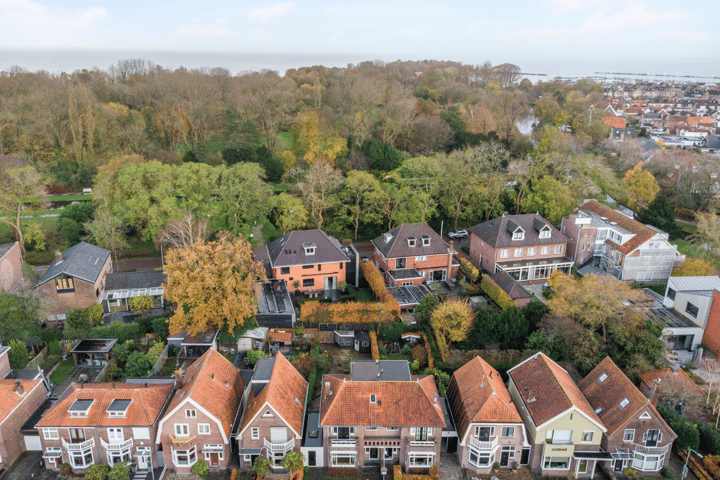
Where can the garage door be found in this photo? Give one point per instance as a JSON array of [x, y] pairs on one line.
[[32, 443]]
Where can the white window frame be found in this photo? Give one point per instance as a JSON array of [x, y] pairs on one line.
[[413, 459], [246, 458], [544, 233], [51, 433], [586, 433], [371, 429], [531, 251], [518, 252], [546, 463], [480, 456], [392, 429], [421, 258], [350, 455], [518, 235], [254, 433], [115, 434], [220, 453], [203, 429], [510, 430], [190, 452], [629, 435], [73, 454], [190, 413], [179, 427], [558, 249], [505, 253], [545, 250]]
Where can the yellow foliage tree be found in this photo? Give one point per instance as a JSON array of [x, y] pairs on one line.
[[212, 284], [642, 186], [312, 142], [141, 303], [453, 319], [694, 267]]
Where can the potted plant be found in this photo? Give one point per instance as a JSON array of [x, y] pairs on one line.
[[514, 466], [496, 467]]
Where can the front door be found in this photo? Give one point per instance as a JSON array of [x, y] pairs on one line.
[[618, 466], [142, 462], [652, 438], [504, 459], [330, 283], [214, 459]]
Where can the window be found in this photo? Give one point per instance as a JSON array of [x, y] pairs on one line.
[[284, 270], [671, 294], [308, 282], [560, 437], [343, 460], [411, 241], [510, 451], [81, 458], [182, 430], [583, 247], [50, 433], [508, 431], [556, 463], [505, 253], [544, 233], [624, 403], [426, 241], [518, 252], [587, 437], [309, 250], [421, 459], [371, 429], [185, 457], [480, 459], [518, 235], [119, 456], [602, 377], [63, 283], [115, 434], [392, 429], [421, 433], [255, 433], [531, 251], [691, 309], [558, 248], [308, 267], [190, 413], [544, 250], [344, 432], [629, 436], [203, 429], [422, 258]]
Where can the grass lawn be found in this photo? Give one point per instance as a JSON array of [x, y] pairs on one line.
[[363, 295], [62, 371], [69, 198], [692, 251]]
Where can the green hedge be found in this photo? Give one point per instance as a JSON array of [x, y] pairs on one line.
[[496, 293], [687, 432]]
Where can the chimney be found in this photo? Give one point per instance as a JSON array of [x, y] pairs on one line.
[[19, 388], [113, 383], [450, 257], [435, 399], [58, 256], [178, 379], [654, 393]]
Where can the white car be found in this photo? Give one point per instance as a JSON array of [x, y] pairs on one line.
[[458, 234]]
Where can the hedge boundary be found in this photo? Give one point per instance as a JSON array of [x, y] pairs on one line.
[[496, 293], [377, 285], [348, 312], [374, 350], [433, 474]]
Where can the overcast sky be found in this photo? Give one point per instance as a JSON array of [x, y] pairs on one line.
[[468, 31]]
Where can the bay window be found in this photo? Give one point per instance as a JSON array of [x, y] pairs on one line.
[[556, 463], [343, 459], [81, 458], [185, 457], [421, 459]]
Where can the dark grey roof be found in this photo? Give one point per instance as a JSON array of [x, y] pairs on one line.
[[94, 345], [130, 280], [119, 405], [711, 142], [247, 376], [288, 250], [394, 244], [264, 369], [648, 143], [362, 336], [389, 370], [202, 338], [273, 297], [495, 232], [405, 273], [312, 426], [510, 286], [80, 405], [83, 261], [5, 248]]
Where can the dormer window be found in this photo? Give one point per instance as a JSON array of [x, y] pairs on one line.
[[118, 408], [425, 241], [518, 235], [544, 232], [309, 248], [80, 408], [373, 399], [412, 241]]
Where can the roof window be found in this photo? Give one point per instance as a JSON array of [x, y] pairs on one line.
[[412, 241], [373, 399], [603, 377], [624, 403], [80, 408], [118, 408]]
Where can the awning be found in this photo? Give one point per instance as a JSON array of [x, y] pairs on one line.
[[592, 455], [142, 452], [212, 450], [250, 451], [52, 454], [622, 456]]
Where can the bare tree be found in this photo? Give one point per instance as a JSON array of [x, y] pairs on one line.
[[184, 231], [319, 185]]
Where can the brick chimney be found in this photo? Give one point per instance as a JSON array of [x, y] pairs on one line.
[[450, 257], [58, 256], [19, 388], [654, 395]]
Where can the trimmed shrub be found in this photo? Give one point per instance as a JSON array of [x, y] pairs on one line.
[[201, 468], [347, 472], [377, 284], [54, 348], [470, 272], [374, 345], [349, 312], [428, 348], [686, 431], [98, 471], [18, 354], [496, 293]]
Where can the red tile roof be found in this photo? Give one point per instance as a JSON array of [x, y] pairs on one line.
[[477, 394], [215, 384], [642, 232], [9, 399], [146, 406], [552, 389], [398, 403], [667, 376], [615, 122], [285, 393]]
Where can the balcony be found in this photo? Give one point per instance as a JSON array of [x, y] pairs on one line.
[[115, 447], [421, 443], [279, 447], [343, 442], [70, 447], [187, 439], [484, 445], [650, 450]]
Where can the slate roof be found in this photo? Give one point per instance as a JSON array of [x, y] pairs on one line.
[[551, 387], [285, 393], [215, 384], [477, 394], [146, 406], [130, 280], [83, 261], [510, 286], [398, 404], [388, 370], [606, 396], [396, 246], [642, 232], [9, 399], [288, 250], [496, 233]]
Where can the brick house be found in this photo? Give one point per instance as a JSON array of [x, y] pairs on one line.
[[310, 261], [636, 436], [614, 243], [564, 430], [104, 423], [489, 427], [18, 401], [413, 254], [527, 247], [273, 417], [199, 420], [75, 279], [380, 414], [11, 276], [120, 287]]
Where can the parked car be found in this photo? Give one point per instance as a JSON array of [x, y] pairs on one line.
[[458, 234]]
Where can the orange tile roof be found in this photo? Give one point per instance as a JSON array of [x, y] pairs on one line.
[[668, 376], [551, 387], [399, 403], [642, 232], [608, 395], [215, 384], [614, 122], [280, 336], [9, 399], [146, 406], [285, 393], [477, 394]]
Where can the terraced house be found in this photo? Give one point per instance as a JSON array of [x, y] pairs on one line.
[[563, 427], [379, 414], [489, 427]]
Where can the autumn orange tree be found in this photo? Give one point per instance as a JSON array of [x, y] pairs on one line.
[[453, 320], [694, 267], [212, 284], [642, 186]]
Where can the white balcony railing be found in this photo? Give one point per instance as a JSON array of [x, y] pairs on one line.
[[78, 446], [112, 447], [279, 447], [651, 450], [343, 442], [484, 445], [422, 443]]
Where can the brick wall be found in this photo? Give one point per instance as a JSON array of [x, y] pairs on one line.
[[711, 337], [516, 441], [11, 270], [86, 294], [264, 424], [641, 426], [12, 444], [318, 272]]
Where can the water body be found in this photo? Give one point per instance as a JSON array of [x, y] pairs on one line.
[[57, 61]]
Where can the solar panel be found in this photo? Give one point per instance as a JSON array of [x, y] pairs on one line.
[[119, 405]]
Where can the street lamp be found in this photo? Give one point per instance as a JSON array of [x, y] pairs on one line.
[[685, 469]]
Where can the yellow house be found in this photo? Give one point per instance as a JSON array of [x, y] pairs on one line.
[[564, 430]]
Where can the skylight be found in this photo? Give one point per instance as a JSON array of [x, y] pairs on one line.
[[602, 378], [118, 408], [624, 403]]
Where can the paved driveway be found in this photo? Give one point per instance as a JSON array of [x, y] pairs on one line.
[[29, 465], [536, 290]]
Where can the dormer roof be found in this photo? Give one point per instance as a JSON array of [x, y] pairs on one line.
[[498, 231], [290, 249], [395, 244]]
